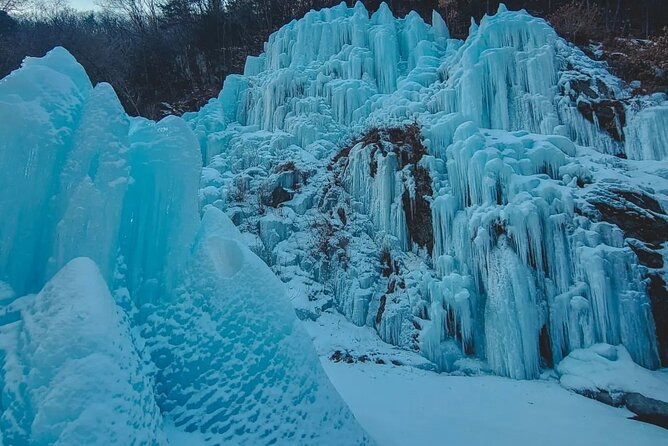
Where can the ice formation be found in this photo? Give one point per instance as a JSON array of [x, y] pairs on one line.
[[519, 272], [460, 197], [146, 314]]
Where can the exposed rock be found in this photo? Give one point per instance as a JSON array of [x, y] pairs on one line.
[[605, 397], [647, 409], [278, 195], [406, 143], [418, 214], [636, 213], [645, 225], [658, 294], [381, 309], [609, 114], [596, 102], [646, 255]]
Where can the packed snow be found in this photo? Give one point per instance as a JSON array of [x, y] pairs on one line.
[[402, 402], [401, 406]]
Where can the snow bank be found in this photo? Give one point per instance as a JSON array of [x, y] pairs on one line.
[[609, 368], [478, 411]]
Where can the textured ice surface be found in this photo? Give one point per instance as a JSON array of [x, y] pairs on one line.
[[147, 316], [71, 372], [233, 361]]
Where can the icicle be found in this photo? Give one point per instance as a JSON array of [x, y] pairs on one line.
[[439, 27]]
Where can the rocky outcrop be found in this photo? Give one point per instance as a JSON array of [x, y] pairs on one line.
[[648, 410], [597, 103], [645, 225]]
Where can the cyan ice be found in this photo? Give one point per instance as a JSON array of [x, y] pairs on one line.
[[71, 371], [146, 314]]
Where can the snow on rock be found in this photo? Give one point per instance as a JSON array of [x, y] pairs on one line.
[[609, 368]]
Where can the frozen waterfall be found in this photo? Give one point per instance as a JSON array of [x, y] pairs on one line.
[[493, 204]]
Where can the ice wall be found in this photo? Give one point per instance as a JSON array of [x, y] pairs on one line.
[[84, 179], [518, 276], [508, 221], [519, 279], [145, 313], [646, 134], [340, 68]]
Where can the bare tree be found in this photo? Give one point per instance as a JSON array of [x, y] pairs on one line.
[[14, 6], [142, 13]]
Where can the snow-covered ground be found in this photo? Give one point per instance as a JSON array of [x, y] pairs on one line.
[[408, 404], [403, 406]]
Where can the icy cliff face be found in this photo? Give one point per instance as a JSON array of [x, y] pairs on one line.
[[484, 242], [147, 317]]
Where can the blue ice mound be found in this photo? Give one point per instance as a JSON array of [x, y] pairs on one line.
[[84, 179], [234, 359], [146, 319], [71, 372]]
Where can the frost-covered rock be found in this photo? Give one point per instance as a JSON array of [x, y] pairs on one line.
[[608, 374], [604, 367]]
